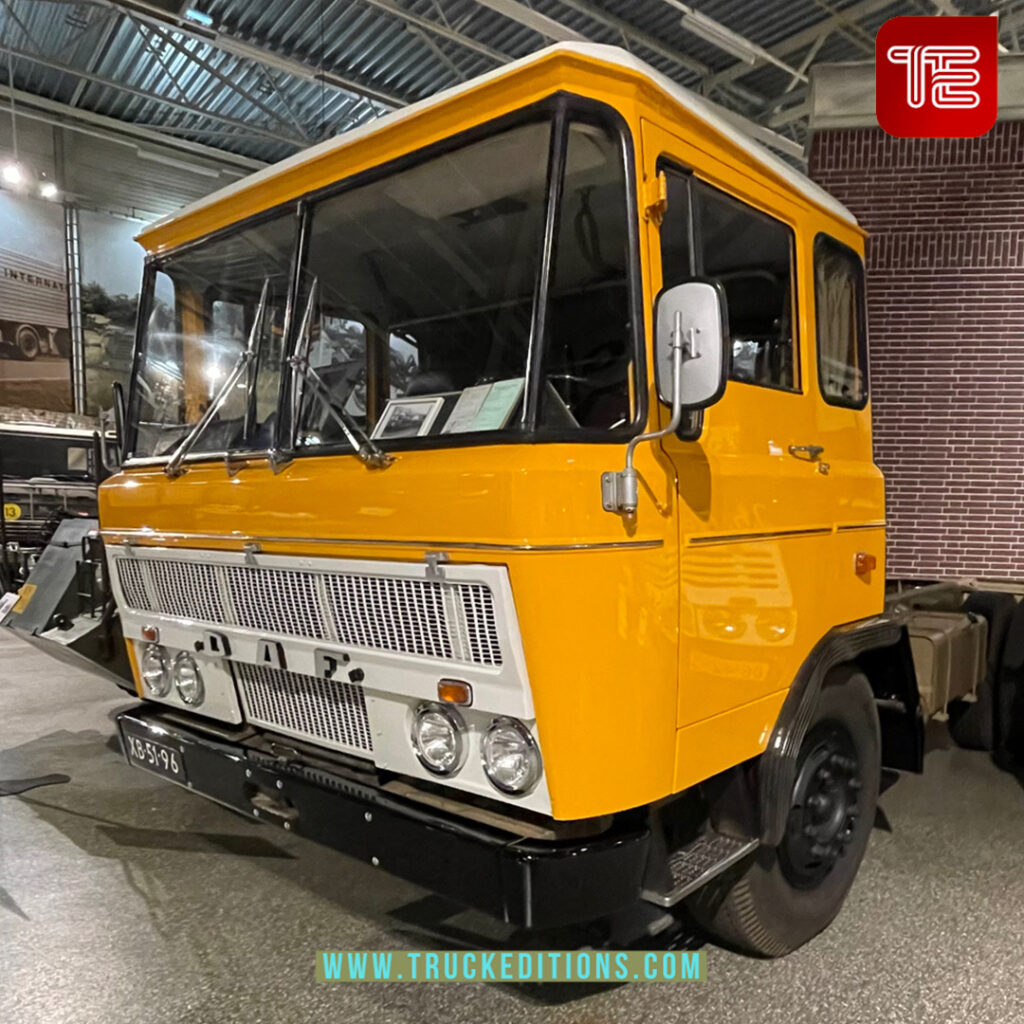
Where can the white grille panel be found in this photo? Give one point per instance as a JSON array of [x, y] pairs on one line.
[[190, 590], [276, 600], [447, 620], [133, 584], [481, 627], [320, 710], [390, 614]]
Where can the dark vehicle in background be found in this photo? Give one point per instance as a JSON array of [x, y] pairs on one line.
[[52, 553], [49, 474]]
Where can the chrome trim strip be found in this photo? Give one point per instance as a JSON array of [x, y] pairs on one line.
[[156, 536], [737, 538]]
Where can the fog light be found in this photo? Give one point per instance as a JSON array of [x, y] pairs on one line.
[[187, 679], [153, 669], [510, 755], [439, 738]]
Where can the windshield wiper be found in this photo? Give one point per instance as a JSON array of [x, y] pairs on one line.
[[245, 360], [367, 452]]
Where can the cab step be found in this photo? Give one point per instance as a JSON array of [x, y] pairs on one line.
[[693, 865]]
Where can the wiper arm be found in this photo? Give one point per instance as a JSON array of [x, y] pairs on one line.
[[368, 453], [245, 359]]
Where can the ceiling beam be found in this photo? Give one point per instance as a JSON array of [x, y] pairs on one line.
[[534, 20], [76, 119], [166, 101], [807, 37], [248, 51], [757, 52]]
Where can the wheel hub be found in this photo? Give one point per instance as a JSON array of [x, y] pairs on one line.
[[824, 810]]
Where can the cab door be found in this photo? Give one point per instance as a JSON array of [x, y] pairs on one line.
[[752, 488]]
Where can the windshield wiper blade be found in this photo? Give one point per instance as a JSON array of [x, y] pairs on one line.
[[367, 452], [245, 359]]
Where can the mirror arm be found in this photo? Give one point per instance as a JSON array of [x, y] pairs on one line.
[[620, 492]]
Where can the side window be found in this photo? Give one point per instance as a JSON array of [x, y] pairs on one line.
[[677, 263], [840, 313], [752, 255]]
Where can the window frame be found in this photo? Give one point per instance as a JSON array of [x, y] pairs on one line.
[[559, 107], [668, 165], [821, 240], [698, 258], [147, 295]]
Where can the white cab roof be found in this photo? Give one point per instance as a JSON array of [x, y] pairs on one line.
[[708, 112]]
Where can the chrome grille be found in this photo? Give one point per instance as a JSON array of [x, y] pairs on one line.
[[329, 712], [443, 619]]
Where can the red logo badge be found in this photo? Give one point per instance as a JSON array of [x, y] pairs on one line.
[[937, 77]]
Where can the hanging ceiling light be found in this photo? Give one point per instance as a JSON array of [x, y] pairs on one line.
[[48, 189]]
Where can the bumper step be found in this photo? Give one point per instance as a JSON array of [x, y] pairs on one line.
[[697, 863]]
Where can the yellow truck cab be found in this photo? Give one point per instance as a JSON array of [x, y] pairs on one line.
[[499, 508]]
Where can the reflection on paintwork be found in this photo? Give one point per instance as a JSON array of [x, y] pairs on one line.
[[743, 612]]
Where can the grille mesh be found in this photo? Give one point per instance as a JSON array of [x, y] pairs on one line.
[[129, 574], [331, 712], [451, 621], [390, 614], [187, 589], [275, 600]]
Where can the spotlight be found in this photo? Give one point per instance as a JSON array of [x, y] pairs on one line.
[[48, 190], [12, 174]]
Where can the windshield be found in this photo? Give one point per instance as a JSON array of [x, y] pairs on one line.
[[202, 306], [448, 298]]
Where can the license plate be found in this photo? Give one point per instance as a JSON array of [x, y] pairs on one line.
[[154, 756]]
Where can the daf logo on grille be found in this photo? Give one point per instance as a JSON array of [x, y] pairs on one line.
[[270, 652]]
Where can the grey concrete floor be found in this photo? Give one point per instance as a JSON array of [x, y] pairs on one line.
[[126, 899]]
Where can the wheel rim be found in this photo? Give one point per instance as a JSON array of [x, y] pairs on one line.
[[824, 813], [28, 342]]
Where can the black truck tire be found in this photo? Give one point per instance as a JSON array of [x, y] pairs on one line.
[[786, 894], [973, 724], [1008, 727]]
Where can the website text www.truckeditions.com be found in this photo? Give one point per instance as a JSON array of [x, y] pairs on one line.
[[585, 965]]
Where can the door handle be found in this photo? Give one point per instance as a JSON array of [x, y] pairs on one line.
[[812, 451]]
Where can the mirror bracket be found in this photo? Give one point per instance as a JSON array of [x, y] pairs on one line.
[[620, 492], [690, 324]]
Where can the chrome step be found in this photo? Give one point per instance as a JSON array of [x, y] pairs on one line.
[[693, 865]]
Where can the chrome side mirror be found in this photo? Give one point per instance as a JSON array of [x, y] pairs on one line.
[[696, 312], [690, 372]]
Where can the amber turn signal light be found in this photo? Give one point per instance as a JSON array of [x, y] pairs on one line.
[[151, 633], [451, 691], [864, 563]]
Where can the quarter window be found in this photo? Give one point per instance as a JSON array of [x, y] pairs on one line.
[[840, 314]]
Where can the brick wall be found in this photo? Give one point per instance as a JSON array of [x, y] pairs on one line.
[[946, 319]]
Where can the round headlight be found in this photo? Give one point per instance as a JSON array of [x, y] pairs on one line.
[[153, 669], [510, 755], [187, 679], [438, 737]]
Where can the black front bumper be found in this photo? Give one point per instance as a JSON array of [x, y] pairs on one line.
[[527, 883]]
